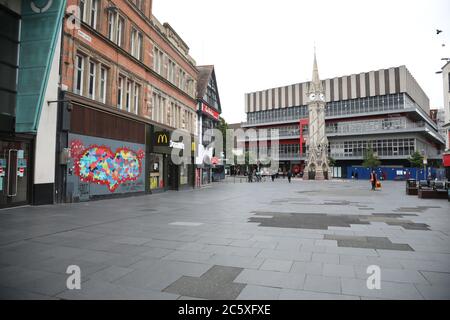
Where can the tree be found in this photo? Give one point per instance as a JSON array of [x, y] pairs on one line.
[[416, 160], [371, 160], [223, 126], [331, 161]]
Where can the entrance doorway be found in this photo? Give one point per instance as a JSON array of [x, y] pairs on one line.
[[172, 177], [14, 173]]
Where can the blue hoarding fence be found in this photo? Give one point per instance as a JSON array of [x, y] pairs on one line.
[[394, 173]]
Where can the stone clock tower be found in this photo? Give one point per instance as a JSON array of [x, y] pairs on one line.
[[317, 163]]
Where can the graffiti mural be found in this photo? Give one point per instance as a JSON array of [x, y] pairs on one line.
[[100, 165]]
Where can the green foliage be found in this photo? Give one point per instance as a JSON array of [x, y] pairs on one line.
[[416, 159], [223, 126], [370, 160], [331, 162]]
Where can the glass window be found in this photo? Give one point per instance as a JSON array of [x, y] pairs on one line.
[[103, 81], [79, 65], [94, 9], [128, 97], [136, 98], [120, 92], [92, 77]]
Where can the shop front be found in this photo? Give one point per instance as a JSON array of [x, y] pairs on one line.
[[15, 172], [164, 172], [94, 161]]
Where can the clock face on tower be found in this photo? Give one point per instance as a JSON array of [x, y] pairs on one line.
[[312, 96], [322, 97]]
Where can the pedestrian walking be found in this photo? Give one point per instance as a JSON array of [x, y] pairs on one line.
[[289, 174], [373, 180]]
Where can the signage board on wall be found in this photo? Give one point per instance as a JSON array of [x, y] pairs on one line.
[[161, 138], [209, 111]]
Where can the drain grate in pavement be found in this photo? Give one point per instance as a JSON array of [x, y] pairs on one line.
[[324, 221], [367, 242], [215, 284]]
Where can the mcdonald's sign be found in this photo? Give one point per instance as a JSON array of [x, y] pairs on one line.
[[161, 139]]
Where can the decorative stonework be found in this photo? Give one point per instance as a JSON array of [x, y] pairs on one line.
[[317, 164]]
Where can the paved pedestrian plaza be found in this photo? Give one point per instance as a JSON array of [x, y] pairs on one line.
[[233, 240]]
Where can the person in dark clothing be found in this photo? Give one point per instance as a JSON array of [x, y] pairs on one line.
[[373, 179], [356, 175], [289, 174]]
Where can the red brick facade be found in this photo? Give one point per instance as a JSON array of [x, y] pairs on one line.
[[94, 44]]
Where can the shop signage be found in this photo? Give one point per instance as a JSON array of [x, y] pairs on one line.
[[177, 145], [207, 110], [161, 139], [446, 160]]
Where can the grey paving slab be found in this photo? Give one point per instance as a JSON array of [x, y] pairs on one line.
[[277, 265], [272, 279], [252, 292], [285, 255], [338, 270], [322, 284], [100, 290], [307, 267], [236, 261], [325, 257], [188, 256], [110, 274], [389, 290], [394, 275], [7, 293], [434, 292], [288, 294], [215, 284], [437, 278], [107, 240]]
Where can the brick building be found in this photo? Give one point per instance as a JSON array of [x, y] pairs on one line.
[[127, 82]]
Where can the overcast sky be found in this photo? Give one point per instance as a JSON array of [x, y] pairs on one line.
[[261, 44]]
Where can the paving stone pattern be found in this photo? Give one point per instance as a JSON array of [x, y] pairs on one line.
[[271, 240]]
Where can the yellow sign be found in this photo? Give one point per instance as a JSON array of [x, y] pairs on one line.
[[161, 138]]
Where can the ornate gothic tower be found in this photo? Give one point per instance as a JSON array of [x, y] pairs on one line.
[[317, 162]]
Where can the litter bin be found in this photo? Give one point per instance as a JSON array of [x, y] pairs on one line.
[[411, 187]]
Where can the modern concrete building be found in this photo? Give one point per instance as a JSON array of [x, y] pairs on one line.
[[446, 126], [446, 80], [30, 41], [385, 110]]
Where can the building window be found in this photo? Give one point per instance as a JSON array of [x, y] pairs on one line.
[[89, 12], [120, 26], [136, 43], [94, 10], [79, 74], [181, 79], [120, 92], [171, 74], [128, 97], [111, 25], [83, 10], [103, 81], [158, 57], [137, 90], [115, 28], [92, 77]]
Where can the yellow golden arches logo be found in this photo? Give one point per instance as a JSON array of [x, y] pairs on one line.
[[162, 138]]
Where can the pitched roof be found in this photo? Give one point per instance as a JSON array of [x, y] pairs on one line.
[[204, 74]]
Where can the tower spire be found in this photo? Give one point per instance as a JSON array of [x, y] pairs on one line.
[[316, 84]]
